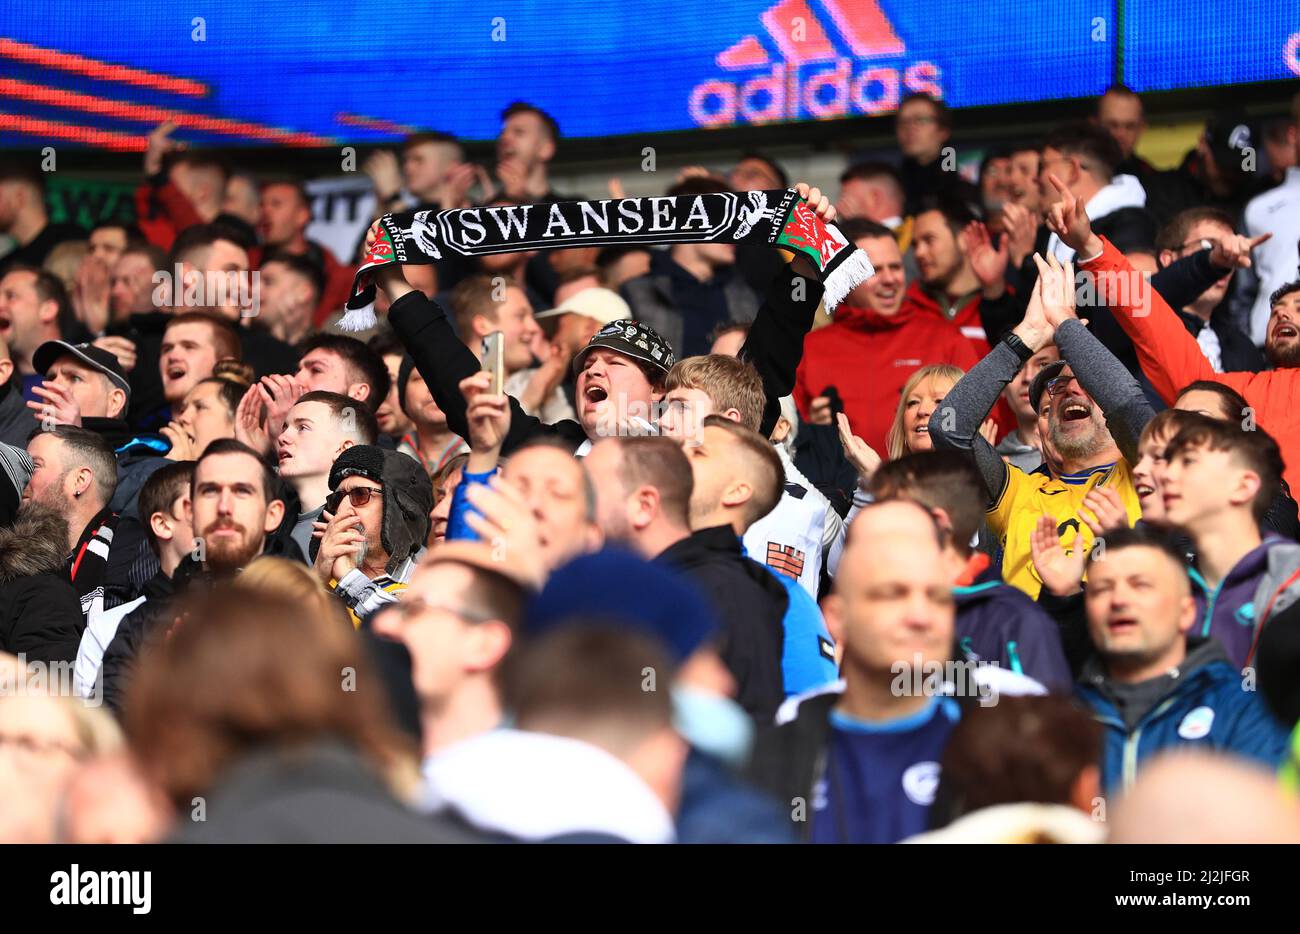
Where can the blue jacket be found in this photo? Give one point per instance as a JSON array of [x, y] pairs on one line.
[[457, 528], [718, 807], [1232, 612], [1000, 623], [808, 653], [1204, 707]]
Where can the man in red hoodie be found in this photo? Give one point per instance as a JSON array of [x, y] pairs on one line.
[[962, 276], [875, 343]]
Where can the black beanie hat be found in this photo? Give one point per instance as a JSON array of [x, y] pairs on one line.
[[408, 496]]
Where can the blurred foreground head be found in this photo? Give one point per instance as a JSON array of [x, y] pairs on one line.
[[249, 672], [1195, 797]]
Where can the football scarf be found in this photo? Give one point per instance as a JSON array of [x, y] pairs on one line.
[[779, 219]]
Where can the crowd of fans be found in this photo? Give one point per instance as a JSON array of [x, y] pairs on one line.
[[1004, 549]]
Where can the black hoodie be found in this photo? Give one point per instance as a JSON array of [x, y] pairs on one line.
[[750, 603]]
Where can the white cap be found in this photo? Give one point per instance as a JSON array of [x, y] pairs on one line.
[[599, 304]]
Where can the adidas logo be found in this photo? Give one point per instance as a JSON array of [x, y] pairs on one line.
[[811, 66]]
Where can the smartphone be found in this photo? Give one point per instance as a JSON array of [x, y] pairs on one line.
[[494, 361]]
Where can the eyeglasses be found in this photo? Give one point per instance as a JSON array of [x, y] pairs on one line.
[[1204, 243], [407, 610], [360, 496], [1056, 385]]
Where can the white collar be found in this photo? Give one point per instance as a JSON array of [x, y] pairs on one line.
[[533, 786]]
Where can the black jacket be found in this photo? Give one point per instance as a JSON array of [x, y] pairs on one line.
[[320, 793], [152, 619], [40, 615], [750, 603], [16, 422]]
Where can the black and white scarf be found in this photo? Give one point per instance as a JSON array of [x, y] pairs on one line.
[[779, 219]]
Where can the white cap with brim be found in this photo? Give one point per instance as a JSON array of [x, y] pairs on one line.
[[602, 305]]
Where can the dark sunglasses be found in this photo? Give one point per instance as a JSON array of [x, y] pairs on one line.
[[360, 495]]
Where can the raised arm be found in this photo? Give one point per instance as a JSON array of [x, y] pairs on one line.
[[1098, 370], [775, 340], [956, 422], [441, 357], [1169, 355]]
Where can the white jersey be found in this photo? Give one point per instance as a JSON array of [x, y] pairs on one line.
[[794, 537], [99, 632]]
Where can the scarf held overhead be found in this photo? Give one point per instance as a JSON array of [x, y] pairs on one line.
[[779, 219]]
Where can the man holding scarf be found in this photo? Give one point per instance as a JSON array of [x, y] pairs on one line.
[[630, 384]]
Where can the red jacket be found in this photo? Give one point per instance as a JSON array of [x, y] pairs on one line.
[[338, 285], [163, 212], [868, 357], [965, 317], [1171, 358]]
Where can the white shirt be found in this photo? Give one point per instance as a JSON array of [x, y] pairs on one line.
[[1210, 346], [99, 632], [1276, 261], [1124, 191], [798, 532]]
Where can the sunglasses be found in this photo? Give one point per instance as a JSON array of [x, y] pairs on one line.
[[1056, 385], [360, 496]]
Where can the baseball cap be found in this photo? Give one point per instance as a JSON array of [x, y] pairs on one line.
[[1229, 134], [1039, 384], [603, 305], [632, 339], [97, 358]]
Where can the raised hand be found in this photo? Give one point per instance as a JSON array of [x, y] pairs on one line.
[[56, 405], [489, 421], [1069, 221], [90, 294], [249, 427], [821, 205], [342, 539], [281, 393], [388, 277], [120, 347], [1233, 252], [385, 174], [158, 145], [1055, 288], [1034, 329], [502, 517], [1060, 571], [1019, 229], [988, 263], [182, 448], [860, 454]]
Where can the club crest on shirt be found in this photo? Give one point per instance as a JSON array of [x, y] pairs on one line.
[[920, 783], [785, 558]]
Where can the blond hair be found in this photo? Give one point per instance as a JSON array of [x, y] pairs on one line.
[[729, 383], [293, 581], [896, 440]]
